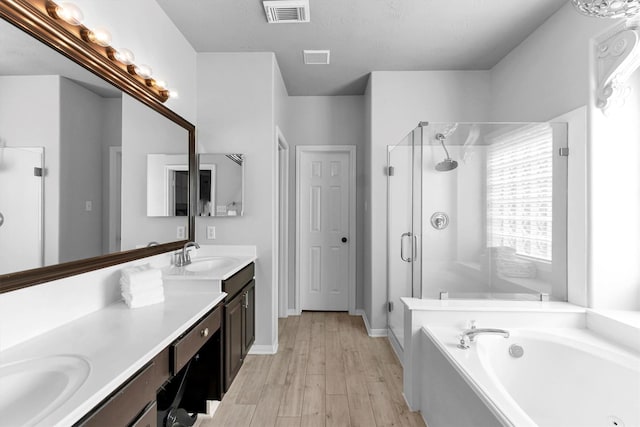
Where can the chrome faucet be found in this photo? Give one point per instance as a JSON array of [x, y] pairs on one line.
[[469, 335], [182, 257]]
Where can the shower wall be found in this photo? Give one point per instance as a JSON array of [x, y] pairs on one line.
[[460, 194], [505, 206]]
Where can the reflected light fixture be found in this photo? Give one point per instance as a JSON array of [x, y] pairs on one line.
[[608, 8], [68, 12]]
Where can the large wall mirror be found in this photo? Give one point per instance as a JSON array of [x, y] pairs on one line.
[[73, 151]]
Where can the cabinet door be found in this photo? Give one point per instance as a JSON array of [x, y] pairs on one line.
[[249, 317], [233, 339]]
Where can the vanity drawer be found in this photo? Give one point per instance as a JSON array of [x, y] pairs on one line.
[[122, 407], [148, 418], [189, 344], [162, 368], [235, 283]]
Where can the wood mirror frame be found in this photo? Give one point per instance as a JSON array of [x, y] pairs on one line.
[[31, 16]]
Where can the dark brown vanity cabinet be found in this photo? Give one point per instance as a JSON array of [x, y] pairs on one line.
[[193, 360], [239, 320]]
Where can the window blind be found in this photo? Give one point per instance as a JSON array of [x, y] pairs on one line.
[[520, 189]]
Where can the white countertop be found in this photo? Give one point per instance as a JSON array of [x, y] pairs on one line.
[[231, 265], [116, 342]]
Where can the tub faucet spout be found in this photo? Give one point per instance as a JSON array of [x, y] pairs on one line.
[[469, 335]]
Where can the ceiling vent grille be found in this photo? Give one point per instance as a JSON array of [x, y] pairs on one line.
[[287, 11], [316, 57]]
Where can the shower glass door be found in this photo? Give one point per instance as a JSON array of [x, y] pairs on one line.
[[403, 228]]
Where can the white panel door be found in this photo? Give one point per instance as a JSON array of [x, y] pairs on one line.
[[324, 221]]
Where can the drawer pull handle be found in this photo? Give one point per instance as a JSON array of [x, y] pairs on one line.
[[204, 332]]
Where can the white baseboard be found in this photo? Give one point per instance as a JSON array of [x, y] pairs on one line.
[[263, 349], [375, 333], [395, 345], [293, 312]]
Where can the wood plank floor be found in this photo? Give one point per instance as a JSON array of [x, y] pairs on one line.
[[327, 372]]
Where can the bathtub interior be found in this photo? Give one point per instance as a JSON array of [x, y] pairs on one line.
[[565, 377]]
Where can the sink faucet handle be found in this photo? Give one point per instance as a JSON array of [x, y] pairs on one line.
[[471, 324]]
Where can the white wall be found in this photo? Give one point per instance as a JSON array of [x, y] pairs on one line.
[[399, 100], [328, 120], [236, 114], [81, 113], [143, 27], [145, 131], [614, 205], [550, 74], [547, 74], [26, 99]]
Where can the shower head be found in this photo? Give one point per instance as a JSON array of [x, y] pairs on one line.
[[447, 164]]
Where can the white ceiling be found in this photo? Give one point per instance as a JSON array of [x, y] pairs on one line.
[[364, 35]]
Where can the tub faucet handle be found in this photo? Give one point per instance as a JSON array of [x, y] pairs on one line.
[[471, 324], [465, 342]]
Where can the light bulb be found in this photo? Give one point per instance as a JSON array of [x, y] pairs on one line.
[[100, 36], [143, 71], [160, 84], [173, 93], [69, 13], [125, 56]]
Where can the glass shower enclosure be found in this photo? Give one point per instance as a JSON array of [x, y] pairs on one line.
[[477, 211]]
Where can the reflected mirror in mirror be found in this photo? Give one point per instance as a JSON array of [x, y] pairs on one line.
[[167, 184], [86, 194], [221, 184]]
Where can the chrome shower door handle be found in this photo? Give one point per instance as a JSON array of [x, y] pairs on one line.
[[402, 236]]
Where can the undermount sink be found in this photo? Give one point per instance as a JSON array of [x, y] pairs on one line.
[[209, 263], [32, 389]]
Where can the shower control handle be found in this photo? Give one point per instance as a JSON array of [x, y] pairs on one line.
[[402, 236]]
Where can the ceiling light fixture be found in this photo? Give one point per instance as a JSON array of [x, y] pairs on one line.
[[100, 39], [608, 8]]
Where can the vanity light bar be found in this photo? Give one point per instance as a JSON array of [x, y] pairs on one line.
[[101, 37]]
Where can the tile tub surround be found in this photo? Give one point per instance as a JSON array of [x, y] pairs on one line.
[[116, 342]]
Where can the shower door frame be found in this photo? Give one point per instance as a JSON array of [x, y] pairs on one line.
[[415, 231]]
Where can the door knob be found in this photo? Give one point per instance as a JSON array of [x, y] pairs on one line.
[[344, 240]]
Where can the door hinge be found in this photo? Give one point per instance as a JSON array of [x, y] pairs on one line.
[[390, 306], [390, 170], [37, 171], [563, 151]]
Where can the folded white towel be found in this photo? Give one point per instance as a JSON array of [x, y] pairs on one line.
[[139, 274], [140, 286], [143, 299]]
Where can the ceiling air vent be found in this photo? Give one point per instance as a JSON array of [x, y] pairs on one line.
[[316, 57], [287, 11]]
